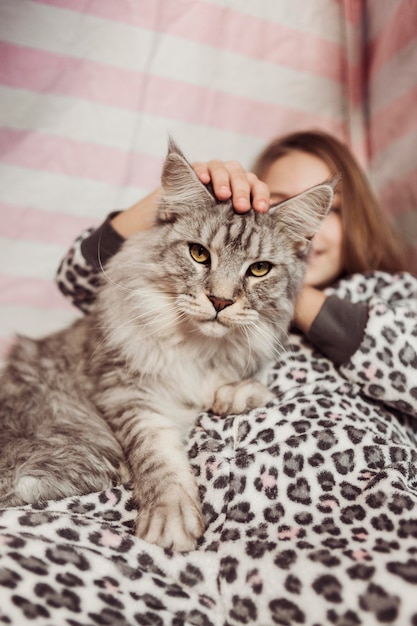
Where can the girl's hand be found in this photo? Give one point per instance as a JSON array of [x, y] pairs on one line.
[[231, 180]]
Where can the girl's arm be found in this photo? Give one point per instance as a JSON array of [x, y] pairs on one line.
[[80, 271], [76, 279], [374, 343], [385, 364], [334, 325]]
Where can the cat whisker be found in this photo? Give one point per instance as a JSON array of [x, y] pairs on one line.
[[246, 332], [154, 315], [264, 336], [131, 322], [154, 321], [97, 349], [106, 276]]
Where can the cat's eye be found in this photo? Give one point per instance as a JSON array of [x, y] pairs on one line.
[[199, 253], [258, 269]]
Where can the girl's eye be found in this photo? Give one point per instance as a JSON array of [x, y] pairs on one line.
[[258, 269], [335, 209], [199, 253]]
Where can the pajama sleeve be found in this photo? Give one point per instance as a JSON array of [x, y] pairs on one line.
[[80, 272], [385, 363], [374, 342], [338, 328]]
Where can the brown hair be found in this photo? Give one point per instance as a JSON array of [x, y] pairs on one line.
[[370, 242]]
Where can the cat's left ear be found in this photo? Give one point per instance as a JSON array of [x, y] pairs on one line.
[[182, 190], [302, 215]]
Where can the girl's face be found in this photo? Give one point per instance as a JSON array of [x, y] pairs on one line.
[[290, 175]]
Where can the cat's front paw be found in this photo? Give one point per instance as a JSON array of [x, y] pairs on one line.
[[239, 397], [174, 522]]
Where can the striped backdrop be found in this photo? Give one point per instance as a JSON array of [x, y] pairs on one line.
[[91, 89]]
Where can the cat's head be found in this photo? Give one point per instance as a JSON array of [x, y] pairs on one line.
[[227, 271], [207, 271]]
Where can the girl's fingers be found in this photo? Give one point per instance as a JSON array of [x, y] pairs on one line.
[[239, 185], [202, 171], [217, 173], [230, 180], [259, 193]]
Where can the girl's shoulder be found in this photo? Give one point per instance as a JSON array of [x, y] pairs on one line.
[[363, 287]]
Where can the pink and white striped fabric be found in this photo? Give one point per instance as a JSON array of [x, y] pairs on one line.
[[91, 89]]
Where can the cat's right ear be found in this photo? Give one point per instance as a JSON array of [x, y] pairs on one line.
[[302, 215], [182, 190]]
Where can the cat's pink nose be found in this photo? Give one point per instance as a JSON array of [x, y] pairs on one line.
[[219, 303]]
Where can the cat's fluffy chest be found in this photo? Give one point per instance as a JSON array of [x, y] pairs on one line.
[[179, 375]]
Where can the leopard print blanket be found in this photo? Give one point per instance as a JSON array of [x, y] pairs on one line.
[[310, 505]]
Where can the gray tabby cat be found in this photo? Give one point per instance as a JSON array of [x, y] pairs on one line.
[[190, 311]]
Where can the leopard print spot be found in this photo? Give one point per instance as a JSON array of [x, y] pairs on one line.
[[55, 598], [191, 575], [325, 557], [408, 356], [349, 618], [349, 492], [325, 439], [241, 513], [113, 617], [408, 528], [382, 522], [361, 571], [352, 513], [244, 610], [30, 610], [378, 601], [285, 612], [228, 569], [67, 555], [30, 563], [344, 461], [329, 587], [299, 491], [8, 578], [285, 559], [326, 480]]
